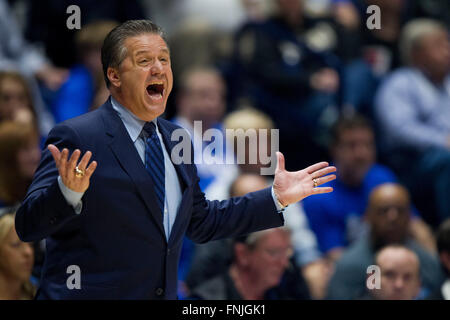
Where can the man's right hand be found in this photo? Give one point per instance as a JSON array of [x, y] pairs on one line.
[[66, 168]]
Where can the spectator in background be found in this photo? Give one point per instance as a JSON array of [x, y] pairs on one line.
[[241, 123], [15, 52], [19, 56], [16, 103], [16, 263], [85, 87], [388, 216], [201, 98], [400, 274], [214, 258], [337, 220], [443, 245], [259, 261], [19, 158], [370, 53], [413, 111], [284, 66]]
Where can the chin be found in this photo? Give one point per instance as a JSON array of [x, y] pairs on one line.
[[152, 111]]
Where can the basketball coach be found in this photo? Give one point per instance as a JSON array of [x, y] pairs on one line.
[[121, 218]]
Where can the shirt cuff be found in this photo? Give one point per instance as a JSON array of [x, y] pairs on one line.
[[72, 197], [277, 203]]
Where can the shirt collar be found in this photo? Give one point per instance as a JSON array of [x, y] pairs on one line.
[[132, 123]]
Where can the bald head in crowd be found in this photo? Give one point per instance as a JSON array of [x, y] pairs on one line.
[[388, 214], [400, 274]]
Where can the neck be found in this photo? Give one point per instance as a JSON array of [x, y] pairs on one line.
[[246, 284], [10, 289], [436, 79], [294, 20], [348, 179]]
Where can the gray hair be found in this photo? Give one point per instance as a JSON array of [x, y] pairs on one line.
[[253, 238], [114, 50], [413, 32]]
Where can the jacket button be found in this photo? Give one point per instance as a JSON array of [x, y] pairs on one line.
[[159, 291], [53, 220], [168, 252]]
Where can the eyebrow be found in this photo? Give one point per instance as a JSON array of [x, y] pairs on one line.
[[140, 52]]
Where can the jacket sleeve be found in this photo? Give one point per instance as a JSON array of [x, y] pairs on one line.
[[45, 210], [212, 220]]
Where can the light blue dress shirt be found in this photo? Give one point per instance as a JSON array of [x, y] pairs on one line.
[[173, 194], [134, 128]]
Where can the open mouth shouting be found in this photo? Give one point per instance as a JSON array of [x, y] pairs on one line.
[[155, 91]]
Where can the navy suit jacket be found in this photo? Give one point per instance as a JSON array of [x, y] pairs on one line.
[[118, 239]]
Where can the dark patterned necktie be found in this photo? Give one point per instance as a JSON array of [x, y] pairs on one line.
[[154, 162]]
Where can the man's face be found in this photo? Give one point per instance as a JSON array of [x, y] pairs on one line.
[[389, 213], [270, 258], [400, 279], [204, 97], [354, 154], [434, 53], [144, 79]]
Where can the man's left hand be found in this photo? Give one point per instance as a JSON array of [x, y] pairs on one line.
[[290, 187]]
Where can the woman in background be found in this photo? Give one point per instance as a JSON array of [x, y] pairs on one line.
[[19, 158], [16, 263]]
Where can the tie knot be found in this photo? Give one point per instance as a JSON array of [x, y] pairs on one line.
[[150, 128]]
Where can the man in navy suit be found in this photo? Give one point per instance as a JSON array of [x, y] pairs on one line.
[[119, 221]]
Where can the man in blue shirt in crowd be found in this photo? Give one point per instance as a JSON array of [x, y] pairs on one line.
[[337, 218]]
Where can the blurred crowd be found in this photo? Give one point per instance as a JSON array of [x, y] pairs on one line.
[[373, 102]]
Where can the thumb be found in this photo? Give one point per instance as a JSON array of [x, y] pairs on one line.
[[280, 161]]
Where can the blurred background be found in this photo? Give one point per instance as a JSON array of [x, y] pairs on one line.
[[375, 102]]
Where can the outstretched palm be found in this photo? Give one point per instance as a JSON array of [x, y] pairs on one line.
[[290, 187], [66, 167]]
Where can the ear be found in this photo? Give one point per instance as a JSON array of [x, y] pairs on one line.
[[113, 77], [240, 254]]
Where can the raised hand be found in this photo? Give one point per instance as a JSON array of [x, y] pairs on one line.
[[68, 168], [290, 187]]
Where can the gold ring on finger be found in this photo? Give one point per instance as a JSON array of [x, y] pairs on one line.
[[315, 182], [78, 172]]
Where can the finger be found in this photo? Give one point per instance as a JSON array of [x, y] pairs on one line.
[[322, 190], [85, 160], [280, 161], [55, 153], [316, 167], [74, 160], [90, 170], [322, 172], [325, 179], [63, 162]]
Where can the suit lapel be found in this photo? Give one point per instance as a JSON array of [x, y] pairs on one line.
[[182, 173], [128, 157]]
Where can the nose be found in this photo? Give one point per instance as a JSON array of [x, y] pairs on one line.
[[392, 214], [398, 283], [156, 67], [28, 250]]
